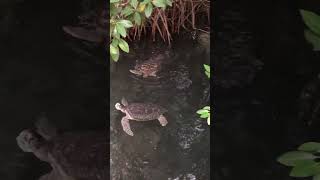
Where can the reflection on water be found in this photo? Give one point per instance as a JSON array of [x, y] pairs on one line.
[[179, 150], [39, 74]]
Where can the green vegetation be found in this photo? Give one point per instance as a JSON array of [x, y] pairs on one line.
[[312, 35], [205, 111], [130, 18], [125, 15], [207, 70], [304, 161]]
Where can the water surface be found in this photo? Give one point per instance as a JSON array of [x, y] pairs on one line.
[[180, 150]]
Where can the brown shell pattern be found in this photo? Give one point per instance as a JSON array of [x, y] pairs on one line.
[[148, 66], [145, 111]]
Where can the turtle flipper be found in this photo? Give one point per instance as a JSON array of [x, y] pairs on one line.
[[124, 101], [154, 74], [135, 72], [126, 126], [46, 129], [163, 121]]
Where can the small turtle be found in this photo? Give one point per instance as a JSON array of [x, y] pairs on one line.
[[149, 67], [140, 112], [153, 65], [72, 156]]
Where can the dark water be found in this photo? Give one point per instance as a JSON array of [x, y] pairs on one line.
[[258, 121], [180, 150], [40, 73]]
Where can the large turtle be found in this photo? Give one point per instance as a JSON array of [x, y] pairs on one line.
[[72, 156], [140, 112]]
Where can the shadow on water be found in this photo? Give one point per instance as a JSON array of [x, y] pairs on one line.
[[180, 150], [39, 73]]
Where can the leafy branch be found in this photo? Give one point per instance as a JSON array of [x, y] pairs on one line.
[[126, 14]]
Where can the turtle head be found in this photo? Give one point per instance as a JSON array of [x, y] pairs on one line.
[[119, 107], [29, 141]]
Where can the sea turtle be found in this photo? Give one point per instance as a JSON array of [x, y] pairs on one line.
[[153, 64], [140, 112], [72, 156], [91, 28]]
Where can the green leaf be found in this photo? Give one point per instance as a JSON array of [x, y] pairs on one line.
[[116, 34], [207, 70], [316, 177], [111, 29], [305, 169], [121, 29], [148, 10], [313, 39], [207, 73], [159, 3], [114, 10], [294, 158], [137, 18], [126, 23], [146, 2], [115, 42], [124, 45], [310, 147], [312, 20], [169, 2], [114, 53], [202, 111], [206, 67], [205, 115], [134, 3], [127, 11], [113, 49], [114, 1], [115, 57], [206, 107]]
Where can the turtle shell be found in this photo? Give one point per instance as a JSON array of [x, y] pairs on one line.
[[149, 66], [81, 155], [145, 111]]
